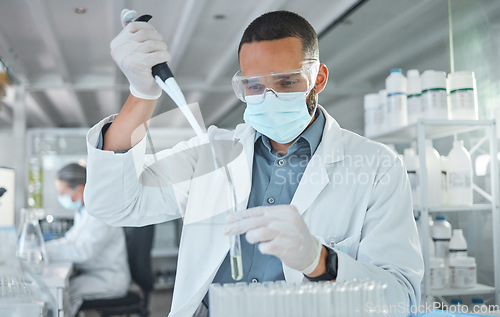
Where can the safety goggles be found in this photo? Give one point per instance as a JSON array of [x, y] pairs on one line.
[[285, 85]]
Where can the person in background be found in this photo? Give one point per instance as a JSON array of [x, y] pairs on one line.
[[97, 250]]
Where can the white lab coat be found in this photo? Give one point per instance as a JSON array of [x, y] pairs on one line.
[[354, 192], [99, 254]]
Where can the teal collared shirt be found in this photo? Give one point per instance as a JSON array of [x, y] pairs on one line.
[[275, 179]]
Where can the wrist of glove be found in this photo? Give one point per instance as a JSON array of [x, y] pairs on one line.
[[280, 231], [309, 269], [152, 94], [135, 50]]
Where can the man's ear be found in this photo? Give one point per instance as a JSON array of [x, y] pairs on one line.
[[322, 78], [80, 188]]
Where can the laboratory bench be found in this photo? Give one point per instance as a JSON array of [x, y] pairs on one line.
[[56, 277]]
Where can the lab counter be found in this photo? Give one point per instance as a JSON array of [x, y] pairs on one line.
[[15, 299], [56, 276]]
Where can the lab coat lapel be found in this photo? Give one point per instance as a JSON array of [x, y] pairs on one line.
[[241, 174], [313, 181], [199, 267], [315, 178]]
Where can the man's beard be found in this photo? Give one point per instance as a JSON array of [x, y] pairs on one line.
[[312, 101]]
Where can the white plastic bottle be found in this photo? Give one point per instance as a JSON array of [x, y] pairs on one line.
[[372, 114], [382, 98], [429, 241], [459, 175], [414, 96], [434, 98], [441, 235], [463, 272], [444, 179], [433, 162], [438, 273], [410, 160], [458, 244], [397, 110], [462, 95]]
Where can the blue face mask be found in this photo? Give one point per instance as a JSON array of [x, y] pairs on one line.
[[281, 120], [68, 203]]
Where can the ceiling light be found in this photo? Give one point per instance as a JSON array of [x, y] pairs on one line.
[[80, 10]]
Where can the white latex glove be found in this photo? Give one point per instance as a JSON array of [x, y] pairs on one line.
[[136, 49], [281, 232]]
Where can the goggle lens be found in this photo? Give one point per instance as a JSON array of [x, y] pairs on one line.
[[252, 89]]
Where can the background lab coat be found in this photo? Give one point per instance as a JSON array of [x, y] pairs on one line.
[[354, 191], [99, 254]]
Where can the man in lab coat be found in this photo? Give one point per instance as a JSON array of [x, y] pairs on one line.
[[314, 201], [97, 250]]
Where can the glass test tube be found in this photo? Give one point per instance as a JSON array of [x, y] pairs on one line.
[[234, 240], [236, 261]]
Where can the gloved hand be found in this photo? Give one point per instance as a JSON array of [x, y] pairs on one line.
[[136, 49], [281, 232]]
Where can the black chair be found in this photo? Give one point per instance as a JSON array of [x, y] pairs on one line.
[[139, 244]]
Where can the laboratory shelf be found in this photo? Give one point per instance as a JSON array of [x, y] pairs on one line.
[[434, 129], [424, 130], [445, 209], [476, 290], [164, 252]]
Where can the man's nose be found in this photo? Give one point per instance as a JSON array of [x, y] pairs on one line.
[[271, 90]]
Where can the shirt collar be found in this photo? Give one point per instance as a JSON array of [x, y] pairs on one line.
[[312, 134]]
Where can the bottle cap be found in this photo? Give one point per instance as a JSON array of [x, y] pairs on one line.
[[440, 218], [458, 143], [412, 73], [432, 79], [409, 152], [456, 301], [396, 82], [476, 300], [461, 80], [413, 82]]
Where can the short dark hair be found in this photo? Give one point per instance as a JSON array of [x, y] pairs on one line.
[[279, 25], [73, 174]]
